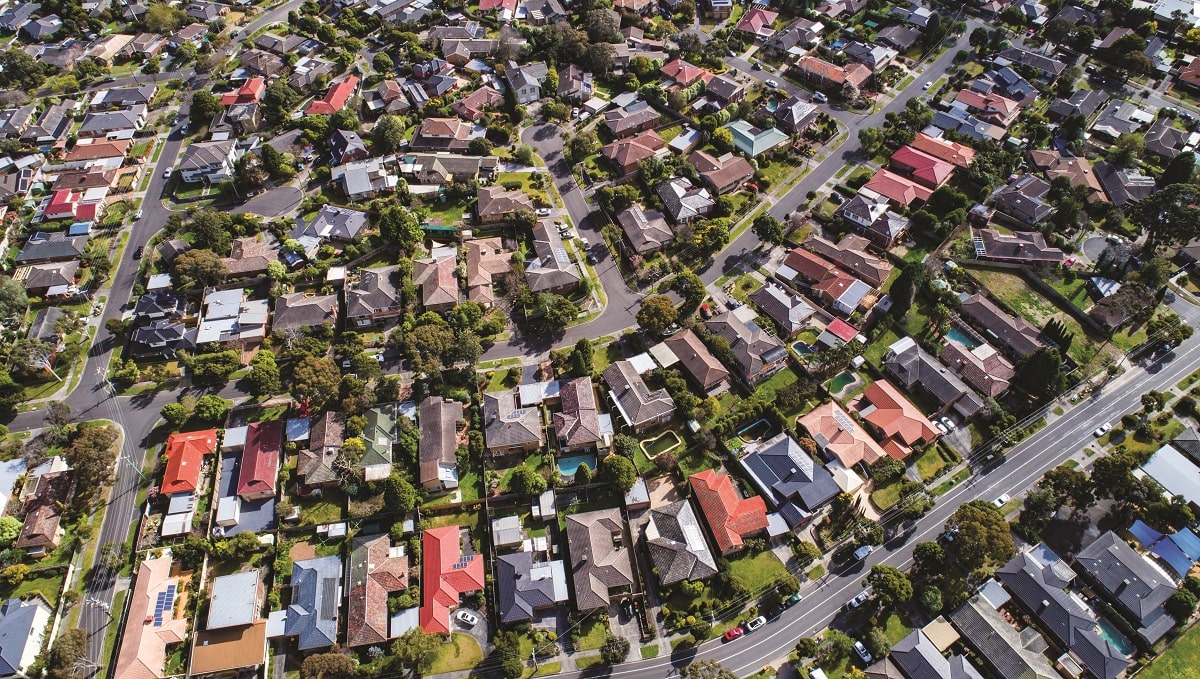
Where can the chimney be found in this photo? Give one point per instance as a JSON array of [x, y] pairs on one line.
[[1044, 605]]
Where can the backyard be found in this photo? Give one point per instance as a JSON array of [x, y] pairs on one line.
[[1180, 661]]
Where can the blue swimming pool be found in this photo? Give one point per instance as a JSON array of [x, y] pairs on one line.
[[1113, 636], [567, 466], [962, 338]]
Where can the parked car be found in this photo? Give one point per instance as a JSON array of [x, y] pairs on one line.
[[137, 254], [1102, 429], [627, 607], [167, 173], [756, 66], [755, 624], [862, 652], [734, 633], [859, 599], [820, 98], [543, 212], [1002, 500], [137, 215], [466, 618], [941, 427], [863, 552], [791, 601], [591, 258], [771, 82], [949, 423], [926, 86], [575, 112], [837, 198]]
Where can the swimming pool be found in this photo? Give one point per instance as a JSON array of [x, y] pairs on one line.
[[772, 105], [567, 466], [962, 338], [1112, 635], [801, 348]]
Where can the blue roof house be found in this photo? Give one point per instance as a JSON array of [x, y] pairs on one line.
[[22, 625]]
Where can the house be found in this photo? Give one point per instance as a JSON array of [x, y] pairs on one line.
[[508, 428], [1038, 580], [990, 107], [1082, 102], [1014, 334], [496, 205], [898, 422], [379, 435], [754, 141], [209, 161], [259, 466], [487, 262], [683, 201], [871, 218], [205, 12], [900, 191], [1124, 186], [577, 426], [1024, 199], [281, 45], [108, 155], [697, 361], [719, 10], [442, 168], [1119, 118], [789, 311], [193, 34], [250, 92], [304, 310], [440, 422], [364, 179], [81, 206], [788, 477], [917, 370], [959, 120], [851, 254], [528, 588], [1008, 82], [873, 56], [53, 279], [43, 329], [42, 531], [982, 367], [575, 84], [13, 121], [316, 464], [437, 280], [334, 223], [795, 40], [123, 97], [731, 518], [917, 656], [217, 653], [39, 29], [1077, 170], [640, 408], [839, 437], [1046, 67], [1007, 652], [1020, 247], [626, 154], [542, 12], [827, 76], [842, 292], [449, 569], [374, 297], [922, 167], [1179, 478], [185, 460], [757, 23], [52, 125], [387, 97], [23, 626], [472, 106], [162, 338], [441, 134], [335, 99], [62, 248], [345, 147], [526, 81], [312, 616], [647, 230], [157, 618], [261, 62], [836, 8], [795, 115], [682, 74], [724, 174], [958, 155], [549, 271], [600, 557], [898, 36], [466, 53], [17, 15], [376, 570], [630, 120], [235, 600], [1138, 585], [249, 257], [758, 353], [677, 546], [1165, 140]]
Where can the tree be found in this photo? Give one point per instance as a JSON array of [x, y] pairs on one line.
[[979, 38], [581, 358], [264, 374], [13, 300], [1180, 170], [417, 650], [199, 268], [328, 666], [583, 474], [315, 380], [581, 145], [163, 18], [931, 599], [615, 650], [214, 368], [891, 585], [278, 101], [175, 414], [388, 131], [91, 455], [877, 642], [1040, 373], [560, 311], [1169, 217], [205, 106], [708, 669], [1127, 148], [1180, 605], [840, 644], [768, 229], [691, 288], [10, 530], [527, 482], [656, 314], [1070, 486], [400, 225], [211, 408], [62, 660], [382, 63], [982, 535], [619, 471], [399, 495]]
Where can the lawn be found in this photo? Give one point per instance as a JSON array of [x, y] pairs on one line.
[[886, 495], [592, 634], [1140, 445], [878, 349], [649, 652], [757, 571], [945, 486], [1188, 381], [462, 653], [767, 390], [447, 212], [49, 586], [325, 508], [929, 463], [694, 460], [895, 629], [1180, 661], [744, 285]]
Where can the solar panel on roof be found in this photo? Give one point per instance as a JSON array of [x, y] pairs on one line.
[[329, 598], [561, 255], [843, 421]]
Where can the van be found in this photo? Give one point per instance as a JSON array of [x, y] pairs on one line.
[[863, 552], [820, 98]]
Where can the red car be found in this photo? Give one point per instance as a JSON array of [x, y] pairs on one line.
[[734, 633]]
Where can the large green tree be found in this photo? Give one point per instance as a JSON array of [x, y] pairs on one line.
[[656, 314], [1168, 217], [315, 380], [890, 584], [981, 535]]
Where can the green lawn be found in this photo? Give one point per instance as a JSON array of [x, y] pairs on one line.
[[592, 634], [588, 663], [895, 629], [448, 212], [744, 285], [929, 463], [649, 652], [886, 495], [325, 508], [758, 570], [945, 486], [767, 390], [1140, 445], [49, 586], [1180, 661], [462, 653]]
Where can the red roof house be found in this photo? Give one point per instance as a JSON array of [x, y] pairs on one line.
[[335, 98], [842, 330], [260, 460], [185, 455], [901, 423], [899, 190], [731, 518], [250, 92], [68, 204], [930, 171], [446, 575], [757, 22], [683, 73], [990, 107], [952, 152]]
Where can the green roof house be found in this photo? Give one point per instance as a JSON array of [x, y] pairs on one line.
[[752, 141], [379, 435]]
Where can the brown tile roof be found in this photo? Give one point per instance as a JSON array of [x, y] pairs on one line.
[[983, 367], [731, 518], [437, 279], [230, 648], [949, 151], [507, 424], [851, 253], [43, 511], [855, 74], [896, 416], [495, 201], [250, 256], [599, 562], [579, 422], [486, 259], [625, 154], [471, 106], [695, 357], [722, 173], [106, 149], [143, 651], [840, 436], [1077, 170], [375, 572], [438, 445], [1015, 333], [324, 443], [682, 72]]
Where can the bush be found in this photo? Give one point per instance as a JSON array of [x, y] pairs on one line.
[[615, 650]]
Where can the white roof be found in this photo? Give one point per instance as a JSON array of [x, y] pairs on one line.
[[159, 281], [276, 622], [663, 355], [1175, 473], [234, 600], [235, 437], [177, 524], [642, 363], [228, 510], [533, 394], [9, 473], [994, 593], [403, 621]]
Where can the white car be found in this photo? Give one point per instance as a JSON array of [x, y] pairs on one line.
[[466, 618], [575, 112], [771, 82], [859, 599], [137, 215], [543, 212], [167, 173], [1102, 429], [926, 86], [862, 652], [941, 427], [949, 423], [1001, 501], [754, 624]]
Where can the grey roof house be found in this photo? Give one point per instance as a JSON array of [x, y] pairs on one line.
[[915, 368], [759, 354], [1008, 653], [312, 616], [639, 407], [304, 310], [507, 427], [789, 310], [789, 478], [1139, 586], [918, 657], [600, 557], [22, 626], [677, 545], [527, 587]]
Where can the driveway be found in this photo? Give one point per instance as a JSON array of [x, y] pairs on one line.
[[1094, 247], [479, 630], [624, 625], [273, 202]]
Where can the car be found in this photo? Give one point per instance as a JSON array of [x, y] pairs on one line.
[[1030, 32], [820, 98], [771, 82], [756, 66], [862, 652], [926, 86], [791, 601], [859, 599], [949, 423], [575, 112], [1102, 429], [345, 363], [753, 187], [734, 633], [584, 242], [755, 624], [379, 357], [543, 212], [137, 215], [137, 254], [940, 427], [863, 552], [184, 129], [627, 607], [1001, 501], [167, 173], [731, 53], [591, 259], [837, 198], [466, 618], [950, 534], [584, 116]]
